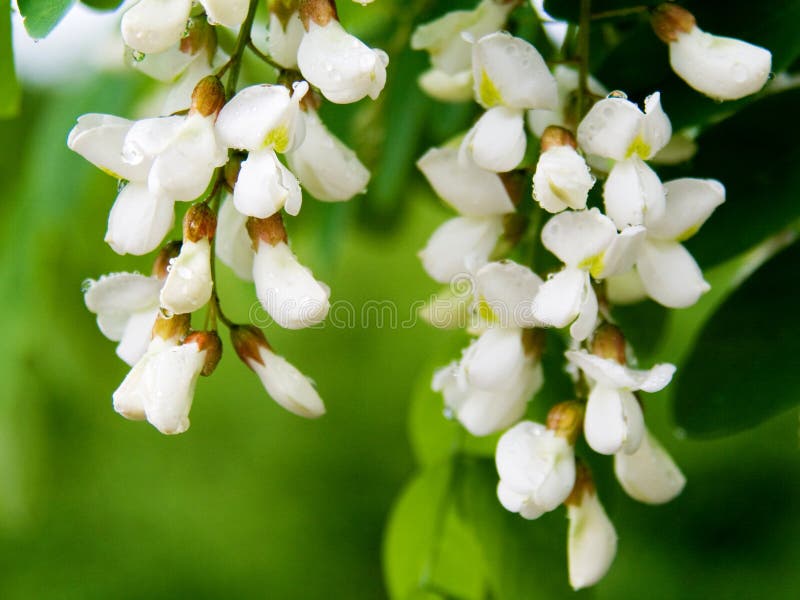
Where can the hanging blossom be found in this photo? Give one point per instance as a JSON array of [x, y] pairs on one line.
[[720, 67], [445, 39], [562, 178], [285, 32], [509, 77]]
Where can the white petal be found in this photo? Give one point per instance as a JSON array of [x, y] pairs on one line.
[[633, 193], [287, 290], [610, 128], [147, 138], [609, 373], [233, 245], [340, 65], [689, 204], [115, 297], [494, 358], [184, 169], [188, 284], [613, 421], [327, 168], [264, 186], [625, 288], [179, 95], [446, 87], [584, 325], [286, 385], [577, 238], [138, 220], [137, 335], [621, 254], [680, 148], [670, 274], [656, 128], [720, 67], [460, 246], [171, 378], [468, 189], [508, 290], [559, 299], [497, 141], [229, 13], [99, 138], [649, 475], [591, 542], [509, 71], [129, 397], [152, 26], [562, 180], [283, 42], [165, 66]]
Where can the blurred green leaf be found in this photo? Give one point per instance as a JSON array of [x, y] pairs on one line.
[[103, 4], [427, 548], [9, 87], [743, 368], [41, 16]]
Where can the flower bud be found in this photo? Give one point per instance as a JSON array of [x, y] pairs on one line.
[[669, 19], [210, 342], [172, 328], [247, 341], [167, 253], [554, 136], [200, 222], [269, 230], [208, 97], [565, 419], [320, 12], [609, 342]]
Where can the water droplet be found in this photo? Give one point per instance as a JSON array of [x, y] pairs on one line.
[[137, 56], [87, 283], [448, 413], [771, 75], [618, 94]]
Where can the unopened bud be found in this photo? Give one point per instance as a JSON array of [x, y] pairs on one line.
[[566, 420], [210, 342], [174, 327], [584, 483], [533, 342], [609, 342], [247, 342], [514, 182], [669, 19], [167, 253], [284, 9], [200, 36], [208, 97], [231, 170], [554, 136], [320, 12], [200, 222], [269, 230]]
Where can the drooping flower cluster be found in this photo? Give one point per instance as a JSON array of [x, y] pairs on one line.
[[222, 155], [618, 242]]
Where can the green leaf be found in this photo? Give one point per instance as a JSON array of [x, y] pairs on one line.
[[743, 368], [752, 155], [103, 4], [9, 88], [428, 552], [41, 16]]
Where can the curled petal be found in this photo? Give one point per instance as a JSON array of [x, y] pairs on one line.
[[497, 141], [609, 373], [152, 26], [562, 180], [610, 128], [495, 357], [188, 285], [115, 297], [283, 42], [286, 385], [148, 138], [171, 377], [459, 246], [99, 139], [139, 220], [689, 204], [621, 254], [591, 542], [264, 186], [656, 128], [633, 193], [233, 245], [508, 289], [577, 238], [558, 301], [670, 274], [613, 422], [649, 475], [584, 325]]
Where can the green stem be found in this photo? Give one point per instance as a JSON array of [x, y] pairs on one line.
[[619, 12], [241, 44], [584, 25]]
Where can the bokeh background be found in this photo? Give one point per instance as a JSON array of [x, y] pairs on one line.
[[253, 502]]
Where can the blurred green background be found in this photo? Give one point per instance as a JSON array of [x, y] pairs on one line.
[[254, 502]]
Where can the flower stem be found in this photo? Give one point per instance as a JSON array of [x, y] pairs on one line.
[[241, 44], [584, 25]]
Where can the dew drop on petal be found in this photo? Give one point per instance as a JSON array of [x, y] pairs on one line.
[[137, 56], [618, 94]]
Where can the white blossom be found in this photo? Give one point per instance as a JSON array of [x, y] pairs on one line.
[[562, 180], [284, 39], [232, 242], [563, 115], [188, 285], [649, 475], [286, 385], [460, 246], [591, 541]]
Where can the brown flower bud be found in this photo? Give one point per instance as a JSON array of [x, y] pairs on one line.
[[320, 12], [533, 342], [284, 9], [584, 484], [609, 342], [210, 342], [174, 327], [269, 230], [247, 342], [199, 222], [566, 420], [208, 97], [669, 19], [167, 253], [200, 36], [231, 170], [554, 136]]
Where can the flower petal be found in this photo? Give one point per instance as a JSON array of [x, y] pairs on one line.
[[577, 238], [670, 274], [152, 26], [259, 116], [656, 128], [497, 141], [610, 128], [138, 220], [115, 297], [559, 299], [260, 191], [137, 335], [494, 358], [605, 425], [459, 246], [233, 245], [147, 138], [649, 475], [229, 13], [689, 204], [609, 373], [98, 138], [508, 290], [286, 385], [446, 87], [591, 542], [622, 253], [625, 288], [584, 325], [633, 193], [562, 180], [171, 378], [188, 285]]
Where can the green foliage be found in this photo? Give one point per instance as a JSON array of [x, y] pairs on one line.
[[9, 88], [103, 4], [41, 16]]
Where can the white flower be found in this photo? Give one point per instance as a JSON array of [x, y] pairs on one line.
[[615, 128], [154, 25], [649, 475], [284, 39], [503, 291], [591, 541], [328, 169], [129, 397], [614, 422], [339, 64], [562, 180], [567, 82], [509, 77], [286, 289], [126, 305], [188, 285], [587, 243], [471, 191], [460, 246], [720, 67], [536, 468], [232, 242], [450, 78], [263, 119]]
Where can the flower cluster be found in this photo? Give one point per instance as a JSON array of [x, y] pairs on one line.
[[221, 155], [617, 241]]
